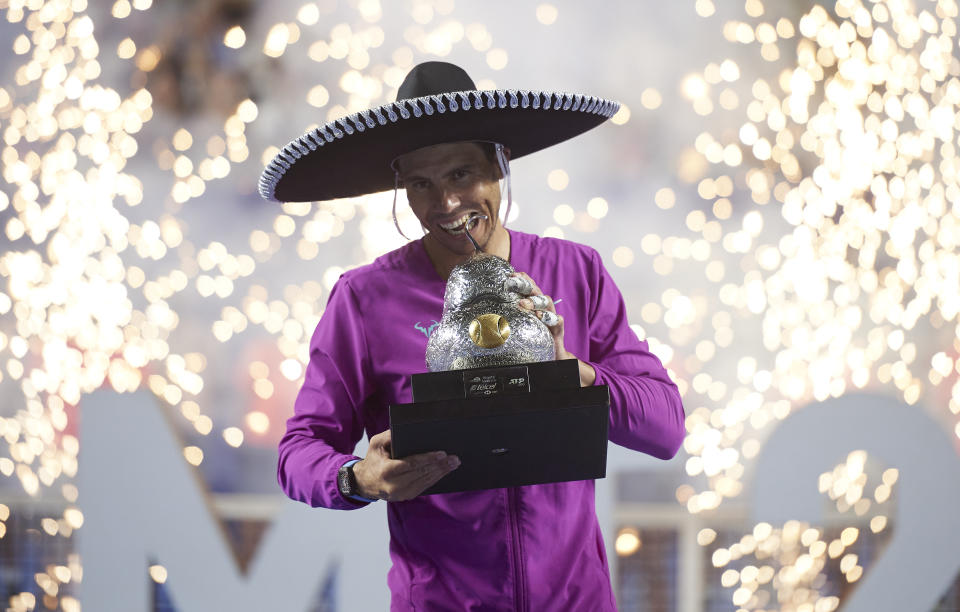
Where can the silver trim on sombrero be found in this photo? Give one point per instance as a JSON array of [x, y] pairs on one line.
[[440, 103]]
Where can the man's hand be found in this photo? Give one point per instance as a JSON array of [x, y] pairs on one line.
[[380, 477], [543, 307]]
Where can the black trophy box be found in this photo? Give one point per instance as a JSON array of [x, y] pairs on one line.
[[509, 425]]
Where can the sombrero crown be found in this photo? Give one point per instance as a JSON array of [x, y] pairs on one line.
[[436, 103]]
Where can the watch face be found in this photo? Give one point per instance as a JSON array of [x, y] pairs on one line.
[[343, 480]]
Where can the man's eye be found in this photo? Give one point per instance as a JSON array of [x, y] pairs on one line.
[[459, 174], [419, 185]]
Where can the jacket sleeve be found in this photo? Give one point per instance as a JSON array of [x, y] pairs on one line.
[[646, 412], [326, 424]]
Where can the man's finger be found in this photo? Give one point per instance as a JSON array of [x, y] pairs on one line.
[[549, 319], [518, 284], [413, 482], [381, 441], [540, 302], [430, 477], [416, 464]]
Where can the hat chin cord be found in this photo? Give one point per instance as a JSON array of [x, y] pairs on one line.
[[396, 187], [504, 172]]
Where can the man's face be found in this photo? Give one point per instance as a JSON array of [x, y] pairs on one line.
[[447, 183]]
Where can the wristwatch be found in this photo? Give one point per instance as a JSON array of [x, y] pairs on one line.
[[347, 483]]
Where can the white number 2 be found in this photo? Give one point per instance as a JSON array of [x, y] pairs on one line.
[[923, 556]]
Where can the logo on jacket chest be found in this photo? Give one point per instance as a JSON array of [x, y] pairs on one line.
[[426, 328]]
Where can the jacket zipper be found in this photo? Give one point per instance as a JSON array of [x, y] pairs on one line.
[[519, 590]]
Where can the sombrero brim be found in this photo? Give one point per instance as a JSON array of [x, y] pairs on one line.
[[352, 156]]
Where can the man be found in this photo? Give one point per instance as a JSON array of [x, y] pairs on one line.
[[525, 548]]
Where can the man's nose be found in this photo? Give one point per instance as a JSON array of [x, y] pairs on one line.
[[449, 199]]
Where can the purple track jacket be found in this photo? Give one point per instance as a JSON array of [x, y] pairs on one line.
[[525, 548]]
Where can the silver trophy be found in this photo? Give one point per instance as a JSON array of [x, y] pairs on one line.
[[482, 324]]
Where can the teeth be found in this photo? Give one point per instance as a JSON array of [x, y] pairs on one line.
[[455, 224]]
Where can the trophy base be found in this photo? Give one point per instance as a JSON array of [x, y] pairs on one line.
[[510, 425]]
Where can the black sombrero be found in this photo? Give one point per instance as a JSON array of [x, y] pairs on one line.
[[436, 103]]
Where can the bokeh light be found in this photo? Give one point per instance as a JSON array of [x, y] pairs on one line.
[[822, 242]]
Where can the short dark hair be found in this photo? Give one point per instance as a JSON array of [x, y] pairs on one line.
[[489, 151]]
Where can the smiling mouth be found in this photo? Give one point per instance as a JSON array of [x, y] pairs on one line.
[[457, 227]]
